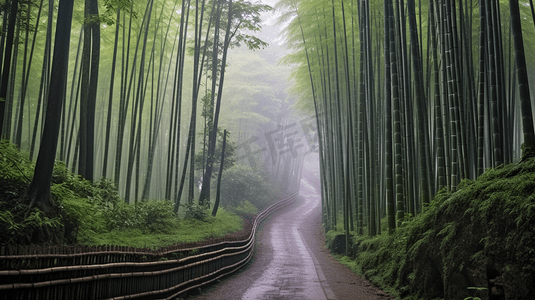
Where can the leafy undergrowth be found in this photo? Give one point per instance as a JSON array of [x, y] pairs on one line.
[[95, 214], [176, 231], [480, 237]]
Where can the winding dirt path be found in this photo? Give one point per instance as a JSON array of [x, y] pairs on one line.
[[291, 260]]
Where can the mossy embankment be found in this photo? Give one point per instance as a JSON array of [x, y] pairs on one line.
[[94, 214], [482, 236]]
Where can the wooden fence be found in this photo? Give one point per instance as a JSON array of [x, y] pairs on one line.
[[122, 272]]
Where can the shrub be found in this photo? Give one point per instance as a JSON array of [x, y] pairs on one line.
[[14, 165], [156, 215], [17, 225], [245, 207], [241, 183], [147, 216], [196, 211]]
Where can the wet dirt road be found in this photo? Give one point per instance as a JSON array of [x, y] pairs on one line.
[[291, 260]]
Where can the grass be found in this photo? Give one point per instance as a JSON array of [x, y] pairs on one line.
[[183, 231]]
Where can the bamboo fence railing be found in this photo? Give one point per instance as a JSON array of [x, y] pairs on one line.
[[121, 272]]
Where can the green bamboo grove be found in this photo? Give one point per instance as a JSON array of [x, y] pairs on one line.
[[127, 90], [410, 97]]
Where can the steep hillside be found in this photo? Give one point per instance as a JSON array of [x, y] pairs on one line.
[[476, 242]]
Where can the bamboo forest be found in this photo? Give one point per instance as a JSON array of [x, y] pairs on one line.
[[137, 116]]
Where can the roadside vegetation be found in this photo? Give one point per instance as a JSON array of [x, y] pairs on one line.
[[479, 238], [94, 214]]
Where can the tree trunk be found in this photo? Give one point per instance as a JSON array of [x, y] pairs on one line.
[[7, 63], [110, 98], [523, 82], [39, 190], [90, 66], [218, 193]]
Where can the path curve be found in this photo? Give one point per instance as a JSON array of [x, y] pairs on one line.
[[291, 260]]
